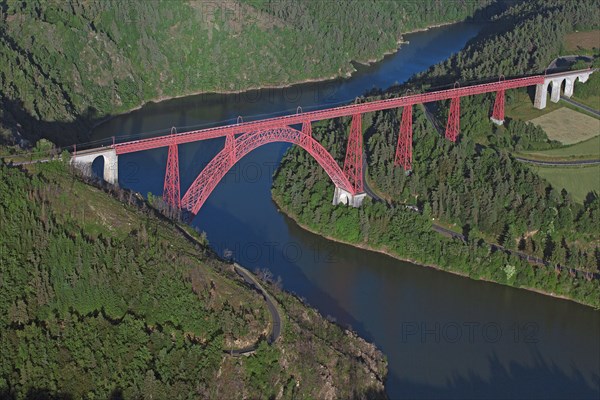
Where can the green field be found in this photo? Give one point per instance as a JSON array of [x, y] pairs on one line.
[[586, 150], [568, 126], [586, 42], [520, 106], [578, 181]]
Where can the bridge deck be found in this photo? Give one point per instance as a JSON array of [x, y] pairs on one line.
[[336, 112]]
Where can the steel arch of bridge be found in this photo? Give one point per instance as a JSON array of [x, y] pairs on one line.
[[236, 148]]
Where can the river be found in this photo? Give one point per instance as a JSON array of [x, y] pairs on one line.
[[445, 336]]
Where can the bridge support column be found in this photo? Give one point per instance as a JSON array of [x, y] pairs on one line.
[[341, 196], [111, 169], [404, 147], [569, 86], [555, 95], [353, 164], [171, 189], [83, 162], [453, 125], [307, 133], [498, 114], [540, 96]]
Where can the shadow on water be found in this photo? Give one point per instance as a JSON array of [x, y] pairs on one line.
[[62, 133], [539, 380]]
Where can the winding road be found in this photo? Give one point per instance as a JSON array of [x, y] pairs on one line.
[[558, 163], [567, 61], [582, 106], [275, 316], [251, 280]]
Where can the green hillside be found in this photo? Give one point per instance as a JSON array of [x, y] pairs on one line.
[[65, 64], [101, 298]]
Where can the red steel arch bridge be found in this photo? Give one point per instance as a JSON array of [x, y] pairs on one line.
[[243, 137]]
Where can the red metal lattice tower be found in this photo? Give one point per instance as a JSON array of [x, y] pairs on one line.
[[307, 132], [353, 165], [171, 193], [230, 148], [404, 148], [216, 169], [453, 126], [498, 114]]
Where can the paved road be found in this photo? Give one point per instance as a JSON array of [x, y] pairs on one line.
[[275, 316], [432, 120], [582, 106], [558, 163], [368, 190], [567, 61], [41, 160], [250, 279], [447, 232]]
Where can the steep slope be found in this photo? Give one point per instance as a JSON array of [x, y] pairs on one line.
[[100, 298]]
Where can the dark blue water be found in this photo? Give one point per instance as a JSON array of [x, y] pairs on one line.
[[444, 336]]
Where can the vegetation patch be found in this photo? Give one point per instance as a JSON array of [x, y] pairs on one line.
[[585, 150], [577, 41], [588, 92], [94, 308], [519, 105], [568, 126], [578, 181]]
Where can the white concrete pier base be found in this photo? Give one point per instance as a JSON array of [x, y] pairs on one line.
[[540, 96], [498, 122], [569, 86], [341, 196], [570, 77], [555, 94], [83, 162]]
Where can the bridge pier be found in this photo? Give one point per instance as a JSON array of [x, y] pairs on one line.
[[570, 78], [498, 113], [341, 196], [555, 95], [569, 86], [83, 162], [540, 96]]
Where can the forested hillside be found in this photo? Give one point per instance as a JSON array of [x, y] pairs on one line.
[[102, 299], [530, 36], [65, 63], [475, 185]]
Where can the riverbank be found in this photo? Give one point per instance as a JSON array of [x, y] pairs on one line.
[[400, 42], [343, 74], [388, 253]]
